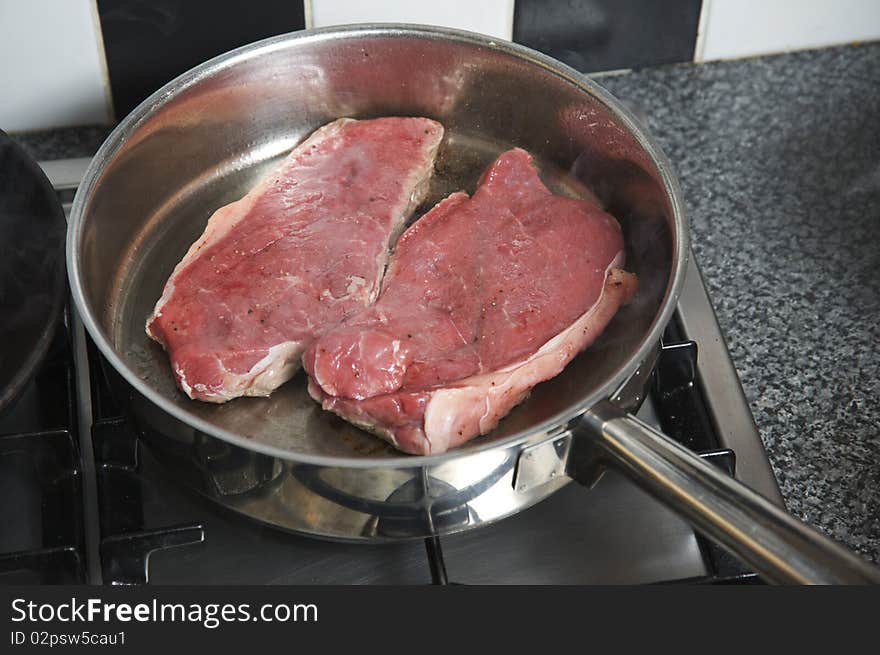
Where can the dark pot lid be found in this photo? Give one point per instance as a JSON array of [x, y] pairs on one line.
[[32, 280]]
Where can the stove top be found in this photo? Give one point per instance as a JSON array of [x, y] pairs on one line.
[[87, 503]]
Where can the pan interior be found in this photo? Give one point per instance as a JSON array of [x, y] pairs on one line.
[[158, 191]]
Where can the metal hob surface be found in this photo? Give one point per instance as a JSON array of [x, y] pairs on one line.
[[154, 529], [86, 502], [613, 533]]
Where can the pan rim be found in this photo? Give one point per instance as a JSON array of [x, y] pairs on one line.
[[549, 428]]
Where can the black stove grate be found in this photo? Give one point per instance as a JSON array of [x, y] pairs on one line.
[[41, 501], [683, 416], [41, 469], [141, 514], [128, 538]]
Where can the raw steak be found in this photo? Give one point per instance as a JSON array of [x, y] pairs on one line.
[[484, 298], [303, 249]]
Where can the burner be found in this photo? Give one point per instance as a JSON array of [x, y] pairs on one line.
[[434, 502]]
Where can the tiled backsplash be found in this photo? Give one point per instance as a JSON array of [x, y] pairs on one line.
[[743, 28], [603, 35], [492, 17], [150, 42], [51, 65], [63, 62]]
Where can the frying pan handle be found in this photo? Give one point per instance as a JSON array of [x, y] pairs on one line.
[[778, 547]]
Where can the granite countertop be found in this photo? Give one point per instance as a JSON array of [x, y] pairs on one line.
[[779, 160]]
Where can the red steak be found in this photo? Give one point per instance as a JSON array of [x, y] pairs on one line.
[[484, 298], [302, 250]]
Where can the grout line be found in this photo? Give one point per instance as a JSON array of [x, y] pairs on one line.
[[308, 14], [702, 25], [102, 63], [509, 23]]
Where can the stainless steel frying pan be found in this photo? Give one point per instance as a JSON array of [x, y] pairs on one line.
[[202, 140]]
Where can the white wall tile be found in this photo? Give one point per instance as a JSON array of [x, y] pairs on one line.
[[743, 28], [51, 65], [492, 17]]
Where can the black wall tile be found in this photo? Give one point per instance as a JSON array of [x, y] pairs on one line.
[[598, 35], [150, 42]]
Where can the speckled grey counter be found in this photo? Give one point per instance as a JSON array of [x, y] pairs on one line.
[[779, 159], [63, 143]]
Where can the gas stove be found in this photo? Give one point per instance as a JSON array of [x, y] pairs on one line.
[[86, 502]]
